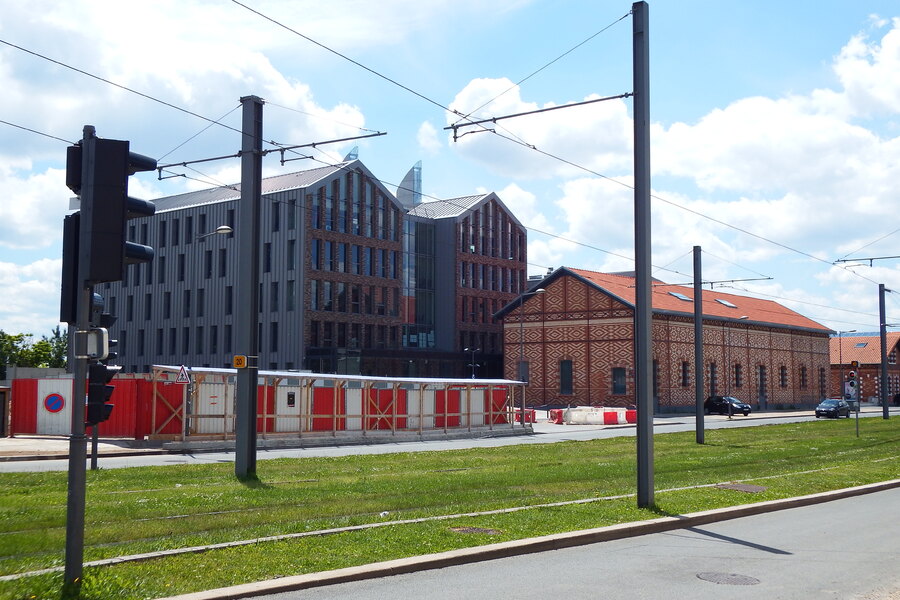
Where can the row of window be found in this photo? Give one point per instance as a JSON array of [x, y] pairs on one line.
[[341, 257], [328, 334], [489, 231], [358, 209], [337, 296], [480, 276], [737, 379]]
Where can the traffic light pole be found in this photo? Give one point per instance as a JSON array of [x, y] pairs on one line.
[[77, 441]]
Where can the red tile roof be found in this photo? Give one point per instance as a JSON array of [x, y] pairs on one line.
[[863, 348], [714, 302]]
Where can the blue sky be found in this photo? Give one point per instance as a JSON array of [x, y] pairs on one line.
[[775, 125]]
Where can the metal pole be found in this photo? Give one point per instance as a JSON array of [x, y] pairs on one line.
[[884, 377], [643, 311], [698, 345], [522, 353], [78, 343], [248, 292]]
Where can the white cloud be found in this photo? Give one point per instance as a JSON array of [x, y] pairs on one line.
[[867, 71], [30, 297], [595, 136], [33, 206], [427, 137]]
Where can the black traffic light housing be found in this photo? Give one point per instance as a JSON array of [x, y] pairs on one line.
[[99, 392], [98, 170]]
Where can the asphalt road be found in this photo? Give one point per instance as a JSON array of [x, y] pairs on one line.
[[845, 549]]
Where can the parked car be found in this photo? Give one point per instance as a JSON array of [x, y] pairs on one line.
[[719, 404], [833, 408]]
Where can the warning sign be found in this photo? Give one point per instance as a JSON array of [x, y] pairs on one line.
[[54, 403], [240, 361], [183, 376]]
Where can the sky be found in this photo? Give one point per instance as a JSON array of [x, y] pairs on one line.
[[775, 136]]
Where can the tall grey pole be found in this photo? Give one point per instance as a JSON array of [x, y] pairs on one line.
[[698, 345], [643, 354], [883, 330], [78, 344], [247, 334]]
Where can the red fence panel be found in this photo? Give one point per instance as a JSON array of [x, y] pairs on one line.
[[381, 412], [23, 408], [329, 414]]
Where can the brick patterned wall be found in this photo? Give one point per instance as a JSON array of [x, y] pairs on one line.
[[577, 322]]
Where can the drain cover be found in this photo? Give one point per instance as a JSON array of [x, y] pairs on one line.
[[728, 578]]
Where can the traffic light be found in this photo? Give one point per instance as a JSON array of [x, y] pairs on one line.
[[851, 379], [106, 207], [99, 392]]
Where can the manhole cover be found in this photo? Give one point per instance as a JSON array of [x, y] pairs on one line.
[[475, 530], [741, 487], [728, 578]]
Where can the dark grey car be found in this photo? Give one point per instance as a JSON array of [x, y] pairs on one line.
[[720, 404]]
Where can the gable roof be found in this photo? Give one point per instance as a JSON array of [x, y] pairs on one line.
[[863, 348], [455, 208], [678, 300]]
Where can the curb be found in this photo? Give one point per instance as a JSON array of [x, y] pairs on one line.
[[520, 547]]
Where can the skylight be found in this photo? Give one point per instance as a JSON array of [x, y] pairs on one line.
[[681, 296], [726, 303], [861, 344]]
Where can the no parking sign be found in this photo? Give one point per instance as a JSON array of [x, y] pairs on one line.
[[54, 403]]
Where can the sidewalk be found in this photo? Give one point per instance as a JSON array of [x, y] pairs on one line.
[[37, 447]]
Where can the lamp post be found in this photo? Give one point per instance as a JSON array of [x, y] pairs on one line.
[[472, 364], [522, 374], [221, 229]]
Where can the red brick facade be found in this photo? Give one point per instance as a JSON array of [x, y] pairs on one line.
[[581, 326]]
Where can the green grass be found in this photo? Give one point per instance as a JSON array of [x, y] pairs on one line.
[[132, 511]]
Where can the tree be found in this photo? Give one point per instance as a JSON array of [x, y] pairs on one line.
[[59, 348], [18, 350]]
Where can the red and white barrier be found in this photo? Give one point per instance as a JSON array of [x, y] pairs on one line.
[[592, 415]]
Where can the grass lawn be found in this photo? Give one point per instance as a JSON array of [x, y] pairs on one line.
[[131, 511]]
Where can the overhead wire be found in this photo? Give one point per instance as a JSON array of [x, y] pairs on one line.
[[526, 78], [423, 97]]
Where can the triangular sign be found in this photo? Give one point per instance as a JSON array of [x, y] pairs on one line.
[[183, 376]]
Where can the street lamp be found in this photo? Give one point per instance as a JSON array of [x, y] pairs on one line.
[[523, 375], [221, 229], [472, 364]]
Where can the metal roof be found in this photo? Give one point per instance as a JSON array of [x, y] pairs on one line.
[[443, 209], [270, 185]]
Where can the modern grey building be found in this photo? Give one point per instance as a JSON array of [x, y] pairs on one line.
[[353, 279]]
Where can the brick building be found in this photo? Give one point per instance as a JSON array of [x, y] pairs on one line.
[[578, 343], [865, 349]]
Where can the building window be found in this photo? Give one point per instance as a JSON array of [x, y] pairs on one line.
[[226, 338], [185, 340], [565, 377], [167, 305], [207, 264], [162, 234], [803, 381], [176, 231], [713, 379], [213, 339], [161, 270], [273, 337], [618, 380], [290, 300], [267, 257], [892, 357], [148, 306], [782, 376], [181, 267], [276, 216], [273, 297], [129, 308], [738, 376], [201, 302], [186, 304], [291, 252], [229, 299], [199, 340], [685, 374], [222, 262]]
